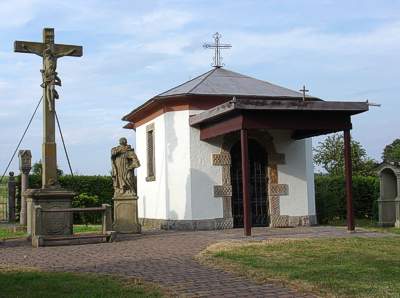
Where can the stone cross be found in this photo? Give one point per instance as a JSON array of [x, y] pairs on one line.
[[50, 52], [217, 46]]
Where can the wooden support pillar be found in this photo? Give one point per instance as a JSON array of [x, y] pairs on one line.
[[245, 182], [349, 180]]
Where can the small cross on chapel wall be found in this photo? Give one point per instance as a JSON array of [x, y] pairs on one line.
[[217, 46]]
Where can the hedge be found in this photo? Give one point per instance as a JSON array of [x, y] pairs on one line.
[[92, 191], [330, 197], [329, 194], [100, 186]]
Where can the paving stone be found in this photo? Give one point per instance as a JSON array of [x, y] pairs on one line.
[[164, 257]]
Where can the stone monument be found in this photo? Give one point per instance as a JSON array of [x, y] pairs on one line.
[[389, 197], [11, 197], [25, 166], [51, 195], [124, 162]]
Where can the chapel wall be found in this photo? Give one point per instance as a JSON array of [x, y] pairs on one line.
[[298, 173], [178, 178], [152, 195], [204, 176]]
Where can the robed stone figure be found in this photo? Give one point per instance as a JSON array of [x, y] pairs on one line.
[[124, 162]]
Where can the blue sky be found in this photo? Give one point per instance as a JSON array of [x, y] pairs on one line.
[[341, 50]]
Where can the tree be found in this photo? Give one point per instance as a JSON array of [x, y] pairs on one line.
[[37, 169], [391, 153], [330, 155]]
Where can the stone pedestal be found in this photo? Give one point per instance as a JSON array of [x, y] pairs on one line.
[[55, 223], [126, 214]]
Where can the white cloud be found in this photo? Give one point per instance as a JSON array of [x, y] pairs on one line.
[[16, 13], [155, 22]]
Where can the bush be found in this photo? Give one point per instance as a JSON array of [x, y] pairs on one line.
[[331, 200], [84, 200]]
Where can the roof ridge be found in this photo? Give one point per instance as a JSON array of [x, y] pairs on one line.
[[197, 85], [207, 72]]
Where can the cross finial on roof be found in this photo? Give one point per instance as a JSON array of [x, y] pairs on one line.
[[304, 90], [217, 46]]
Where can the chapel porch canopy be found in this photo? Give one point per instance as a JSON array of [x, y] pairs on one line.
[[304, 118]]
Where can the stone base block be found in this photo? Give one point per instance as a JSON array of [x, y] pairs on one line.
[[38, 241], [50, 223], [188, 225], [287, 221], [126, 219]]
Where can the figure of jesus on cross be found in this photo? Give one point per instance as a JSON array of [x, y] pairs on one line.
[[50, 52]]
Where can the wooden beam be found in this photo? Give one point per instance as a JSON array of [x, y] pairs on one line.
[[303, 134], [299, 120], [349, 180], [245, 181], [234, 123], [279, 106]]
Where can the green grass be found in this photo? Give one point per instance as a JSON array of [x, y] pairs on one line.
[[8, 233], [367, 224], [87, 228], [348, 267], [43, 284]]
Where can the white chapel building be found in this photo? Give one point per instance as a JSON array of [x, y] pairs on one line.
[[195, 140]]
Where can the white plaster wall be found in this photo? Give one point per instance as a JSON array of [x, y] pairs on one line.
[[152, 195], [297, 172], [204, 176], [168, 197], [178, 178]]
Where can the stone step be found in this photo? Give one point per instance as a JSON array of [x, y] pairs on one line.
[[72, 239]]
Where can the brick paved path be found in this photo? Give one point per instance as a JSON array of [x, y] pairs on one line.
[[165, 258]]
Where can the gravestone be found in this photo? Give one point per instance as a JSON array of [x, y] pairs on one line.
[[11, 197], [25, 166], [124, 162], [51, 195]]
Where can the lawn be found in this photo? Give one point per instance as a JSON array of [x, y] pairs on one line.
[[342, 267], [87, 229], [367, 224], [42, 284], [8, 232]]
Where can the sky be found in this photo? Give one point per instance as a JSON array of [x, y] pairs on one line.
[[133, 50]]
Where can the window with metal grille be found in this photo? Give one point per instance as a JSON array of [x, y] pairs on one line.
[[150, 153]]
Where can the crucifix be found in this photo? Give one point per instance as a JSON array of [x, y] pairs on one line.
[[217, 46], [304, 90], [50, 52]]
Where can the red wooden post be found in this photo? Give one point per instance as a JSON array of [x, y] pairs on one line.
[[245, 182], [349, 180]]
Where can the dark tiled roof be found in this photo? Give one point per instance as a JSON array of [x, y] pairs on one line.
[[220, 81]]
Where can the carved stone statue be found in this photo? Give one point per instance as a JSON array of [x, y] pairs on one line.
[[124, 162], [49, 74]]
